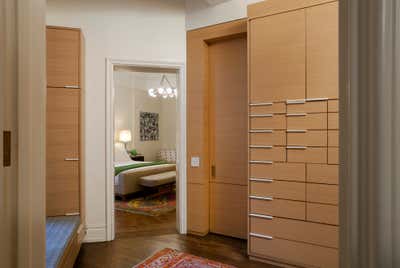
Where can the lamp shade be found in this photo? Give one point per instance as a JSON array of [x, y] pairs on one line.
[[125, 136]]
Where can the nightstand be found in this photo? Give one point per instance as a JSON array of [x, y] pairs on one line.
[[137, 157]]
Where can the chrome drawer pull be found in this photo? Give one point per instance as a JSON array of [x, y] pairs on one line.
[[296, 131], [261, 104], [261, 236], [296, 114], [316, 99], [73, 87], [261, 216], [71, 159], [261, 146], [261, 162], [299, 101], [261, 198], [72, 214], [261, 115], [261, 131], [262, 179], [296, 147]]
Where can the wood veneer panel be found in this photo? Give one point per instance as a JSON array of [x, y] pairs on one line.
[[277, 137], [279, 189], [322, 193], [333, 155], [308, 107], [279, 208], [279, 171], [268, 122], [323, 51], [333, 138], [308, 155], [309, 138], [322, 213], [278, 108], [277, 53], [308, 121], [198, 208], [270, 154], [333, 106], [320, 173], [333, 120]]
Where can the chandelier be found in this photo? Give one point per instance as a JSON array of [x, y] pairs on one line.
[[162, 91]]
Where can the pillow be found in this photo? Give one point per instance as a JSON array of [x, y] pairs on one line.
[[167, 155], [120, 154]]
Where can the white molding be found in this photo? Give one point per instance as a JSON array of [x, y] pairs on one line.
[[181, 141], [95, 234]]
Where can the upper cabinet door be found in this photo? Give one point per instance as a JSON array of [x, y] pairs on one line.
[[277, 57], [323, 51], [63, 61]]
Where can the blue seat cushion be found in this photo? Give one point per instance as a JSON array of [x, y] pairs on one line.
[[59, 231]]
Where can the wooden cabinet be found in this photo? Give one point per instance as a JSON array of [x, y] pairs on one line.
[[64, 180], [294, 183]]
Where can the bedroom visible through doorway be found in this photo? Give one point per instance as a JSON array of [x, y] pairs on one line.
[[145, 149]]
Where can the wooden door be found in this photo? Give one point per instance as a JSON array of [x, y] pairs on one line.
[[63, 57], [228, 136], [62, 184], [277, 57], [323, 51]]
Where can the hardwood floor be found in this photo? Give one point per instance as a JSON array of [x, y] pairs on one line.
[[138, 237]]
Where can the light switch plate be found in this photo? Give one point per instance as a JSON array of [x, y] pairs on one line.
[[195, 161]]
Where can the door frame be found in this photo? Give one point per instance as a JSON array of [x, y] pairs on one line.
[[180, 144]]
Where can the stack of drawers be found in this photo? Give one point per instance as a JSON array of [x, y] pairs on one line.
[[293, 187]]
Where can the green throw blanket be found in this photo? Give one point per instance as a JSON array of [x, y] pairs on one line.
[[120, 169]]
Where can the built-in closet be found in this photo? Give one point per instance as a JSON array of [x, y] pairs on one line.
[[64, 145], [293, 132]]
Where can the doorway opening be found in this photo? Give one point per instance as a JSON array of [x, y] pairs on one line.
[[146, 148]]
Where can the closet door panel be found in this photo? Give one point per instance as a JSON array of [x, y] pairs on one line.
[[277, 53], [63, 57], [323, 51]]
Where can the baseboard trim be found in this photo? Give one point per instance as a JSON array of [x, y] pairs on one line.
[[95, 234]]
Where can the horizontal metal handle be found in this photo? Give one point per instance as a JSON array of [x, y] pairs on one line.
[[261, 115], [299, 101], [296, 131], [261, 104], [72, 214], [261, 216], [261, 146], [261, 236], [73, 87], [262, 179], [71, 159], [261, 198], [261, 131], [316, 99], [296, 147], [296, 114], [260, 162]]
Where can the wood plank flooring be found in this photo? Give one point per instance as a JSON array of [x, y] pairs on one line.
[[138, 237]]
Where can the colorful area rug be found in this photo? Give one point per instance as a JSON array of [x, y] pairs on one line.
[[170, 258], [154, 206]]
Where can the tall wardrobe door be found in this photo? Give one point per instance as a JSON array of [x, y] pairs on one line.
[[323, 51], [277, 53], [63, 60], [228, 135], [62, 151]]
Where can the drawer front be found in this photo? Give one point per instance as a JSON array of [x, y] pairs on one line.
[[308, 121], [308, 107], [297, 253], [279, 189], [333, 106], [322, 193], [333, 120], [268, 122], [279, 171], [308, 155], [319, 173], [328, 214], [275, 108], [266, 154], [295, 230], [308, 138], [333, 155], [279, 208], [333, 138], [274, 137]]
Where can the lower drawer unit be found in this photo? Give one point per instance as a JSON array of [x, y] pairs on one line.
[[279, 171], [322, 213], [301, 231], [322, 193], [307, 154], [279, 208], [278, 189], [268, 137], [268, 108], [272, 153], [322, 173], [268, 121], [308, 107], [293, 253], [308, 138], [306, 121]]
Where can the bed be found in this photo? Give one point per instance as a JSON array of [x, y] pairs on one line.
[[127, 181]]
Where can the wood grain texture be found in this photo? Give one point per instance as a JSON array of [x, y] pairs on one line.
[[279, 189], [63, 57], [322, 193], [322, 213], [319, 173], [309, 138], [308, 107], [276, 107], [279, 171], [316, 155], [267, 122], [198, 208], [333, 120], [270, 154], [333, 138], [277, 137], [309, 121], [279, 208]]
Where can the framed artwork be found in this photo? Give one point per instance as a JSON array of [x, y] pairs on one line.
[[149, 126]]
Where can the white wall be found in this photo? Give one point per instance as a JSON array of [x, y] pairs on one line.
[[200, 14], [148, 30]]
